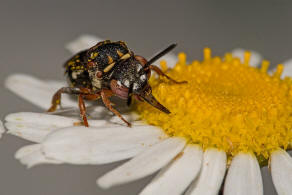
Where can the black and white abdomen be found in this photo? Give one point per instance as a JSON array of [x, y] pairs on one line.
[[76, 71]]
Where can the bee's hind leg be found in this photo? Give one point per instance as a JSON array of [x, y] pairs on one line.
[[81, 92], [56, 100]]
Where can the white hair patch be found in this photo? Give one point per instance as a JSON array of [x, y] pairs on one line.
[[76, 73], [135, 86], [139, 67], [143, 77], [127, 83]]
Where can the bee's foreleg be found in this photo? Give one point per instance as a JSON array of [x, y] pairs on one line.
[[160, 73], [104, 95]]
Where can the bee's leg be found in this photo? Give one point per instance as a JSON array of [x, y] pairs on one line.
[[56, 100], [160, 73], [91, 96], [82, 110], [104, 95]]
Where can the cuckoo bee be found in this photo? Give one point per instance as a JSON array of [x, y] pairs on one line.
[[110, 69]]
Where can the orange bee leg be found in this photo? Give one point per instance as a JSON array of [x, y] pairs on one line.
[[160, 73], [82, 110], [91, 96], [56, 100], [148, 69], [104, 95]]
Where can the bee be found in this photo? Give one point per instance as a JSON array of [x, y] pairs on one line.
[[110, 69]]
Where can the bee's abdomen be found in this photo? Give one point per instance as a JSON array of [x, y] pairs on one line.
[[77, 72]]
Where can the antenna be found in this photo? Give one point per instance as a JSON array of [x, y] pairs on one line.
[[160, 54]]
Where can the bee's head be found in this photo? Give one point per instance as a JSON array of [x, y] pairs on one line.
[[129, 75], [132, 80]]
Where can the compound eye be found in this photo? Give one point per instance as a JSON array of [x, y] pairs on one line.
[[141, 59]]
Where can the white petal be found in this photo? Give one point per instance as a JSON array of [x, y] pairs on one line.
[[144, 164], [26, 150], [212, 174], [31, 155], [40, 119], [170, 58], [176, 177], [81, 145], [255, 58], [281, 169], [37, 132], [45, 121], [2, 129], [36, 91], [56, 84], [287, 69], [244, 176], [129, 117], [35, 126], [83, 42], [28, 131]]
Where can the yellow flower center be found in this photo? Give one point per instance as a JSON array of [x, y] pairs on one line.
[[226, 104]]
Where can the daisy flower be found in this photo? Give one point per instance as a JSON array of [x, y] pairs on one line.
[[228, 121]]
